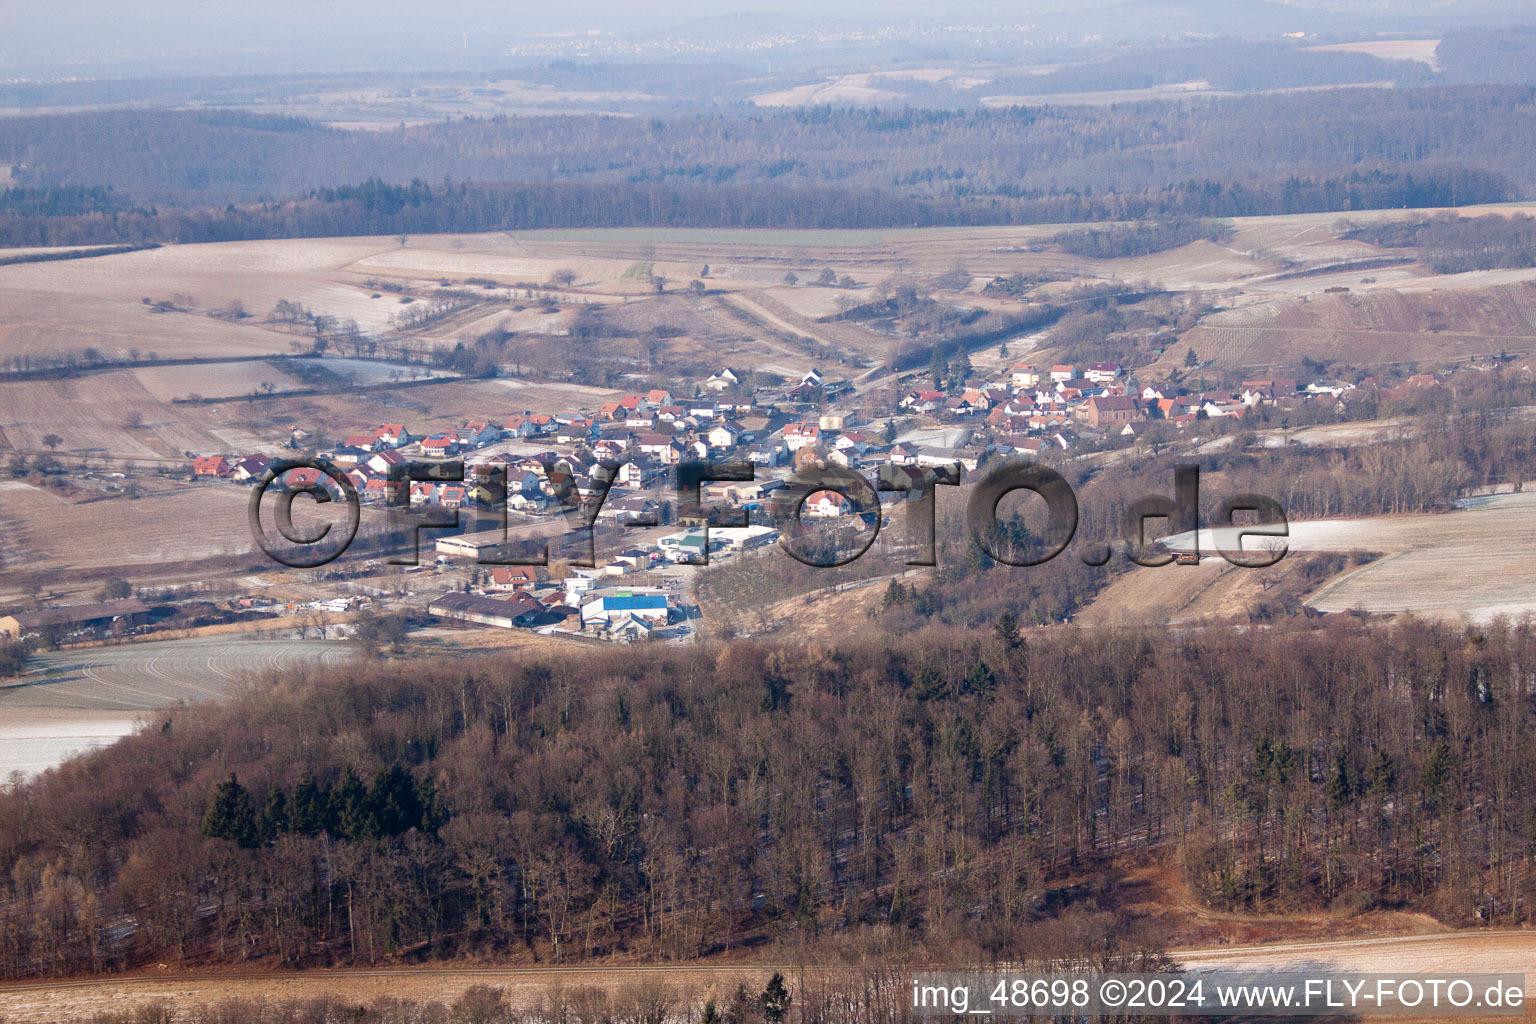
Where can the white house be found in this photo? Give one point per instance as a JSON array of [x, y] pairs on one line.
[[726, 379], [798, 435], [825, 504], [1024, 376]]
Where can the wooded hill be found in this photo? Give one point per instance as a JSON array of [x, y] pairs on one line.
[[949, 790], [135, 176]]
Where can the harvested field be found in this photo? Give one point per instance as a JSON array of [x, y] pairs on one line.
[[1478, 561], [39, 530], [211, 380], [35, 739], [1389, 49], [1374, 327], [75, 700], [135, 677], [94, 414]]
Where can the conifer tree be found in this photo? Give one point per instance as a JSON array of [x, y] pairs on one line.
[[230, 816]]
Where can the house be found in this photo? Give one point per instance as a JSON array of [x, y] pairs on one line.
[[1016, 444], [383, 461], [363, 442], [651, 608], [392, 435], [346, 455], [660, 447], [1105, 411], [724, 435], [252, 467], [630, 509], [798, 435], [767, 453], [658, 397], [1063, 371], [1024, 376], [725, 380], [922, 401], [575, 432], [379, 488], [444, 444], [1219, 409], [519, 426], [846, 458], [210, 465], [1103, 373], [634, 473], [977, 400], [611, 451], [825, 504], [511, 577]]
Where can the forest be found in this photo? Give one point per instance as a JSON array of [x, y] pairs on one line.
[[1449, 244], [938, 791], [135, 176]]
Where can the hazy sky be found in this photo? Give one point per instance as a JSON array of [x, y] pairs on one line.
[[56, 33], [284, 17]]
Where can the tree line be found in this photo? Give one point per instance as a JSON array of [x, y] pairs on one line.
[[1449, 244], [136, 176]]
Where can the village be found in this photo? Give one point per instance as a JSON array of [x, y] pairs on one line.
[[611, 470]]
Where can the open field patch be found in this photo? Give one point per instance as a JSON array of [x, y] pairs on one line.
[[1422, 50], [212, 380], [159, 674], [190, 523]]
